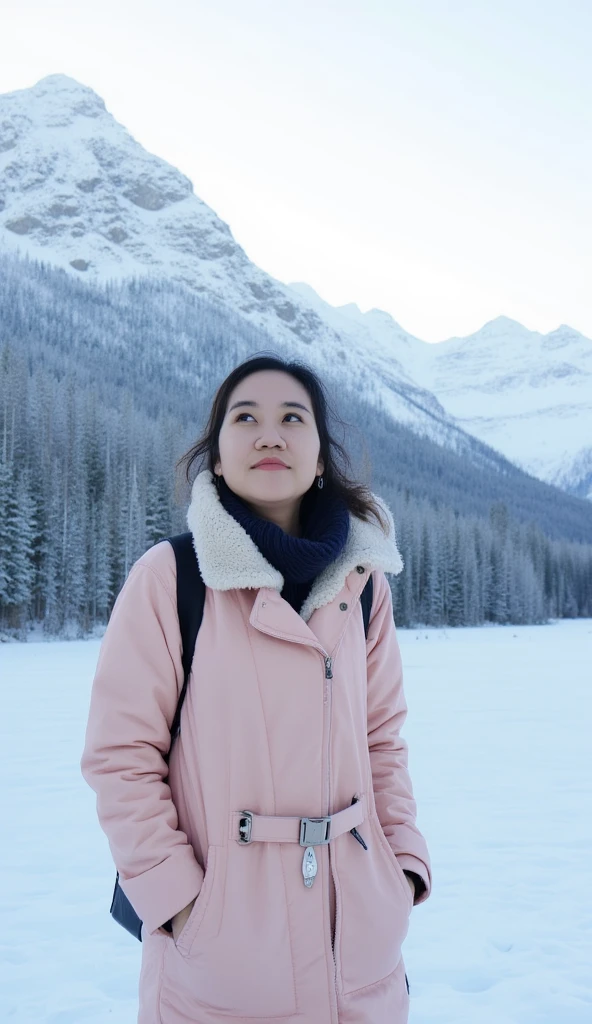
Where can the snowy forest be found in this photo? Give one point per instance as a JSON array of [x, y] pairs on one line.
[[103, 389]]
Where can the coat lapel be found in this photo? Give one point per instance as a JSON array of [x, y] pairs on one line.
[[229, 559]]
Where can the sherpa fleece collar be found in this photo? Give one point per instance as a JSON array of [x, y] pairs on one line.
[[229, 559]]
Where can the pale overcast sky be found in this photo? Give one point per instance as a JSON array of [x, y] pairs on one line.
[[430, 157]]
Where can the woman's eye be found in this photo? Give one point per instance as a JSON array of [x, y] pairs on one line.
[[240, 416]]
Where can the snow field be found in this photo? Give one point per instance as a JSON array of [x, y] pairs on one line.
[[499, 737]]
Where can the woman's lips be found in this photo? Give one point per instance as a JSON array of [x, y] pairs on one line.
[[270, 465]]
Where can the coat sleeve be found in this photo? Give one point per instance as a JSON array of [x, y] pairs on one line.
[[387, 710], [134, 695]]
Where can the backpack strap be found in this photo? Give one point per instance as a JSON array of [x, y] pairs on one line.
[[366, 601], [191, 593]]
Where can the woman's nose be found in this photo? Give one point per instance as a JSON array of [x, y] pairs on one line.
[[271, 436]]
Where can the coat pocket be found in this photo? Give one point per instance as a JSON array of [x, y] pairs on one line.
[[373, 905], [234, 955], [188, 935], [398, 869]]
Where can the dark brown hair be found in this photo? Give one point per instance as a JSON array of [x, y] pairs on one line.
[[357, 496]]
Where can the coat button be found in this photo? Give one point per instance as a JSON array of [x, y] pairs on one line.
[[360, 568], [343, 606]]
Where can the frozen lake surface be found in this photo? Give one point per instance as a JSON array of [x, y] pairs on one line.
[[499, 731]]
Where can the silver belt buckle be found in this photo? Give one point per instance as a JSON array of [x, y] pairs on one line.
[[315, 831], [245, 825]]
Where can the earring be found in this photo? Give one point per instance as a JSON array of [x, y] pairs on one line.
[[320, 483]]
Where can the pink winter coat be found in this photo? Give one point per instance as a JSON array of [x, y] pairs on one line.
[[288, 716]]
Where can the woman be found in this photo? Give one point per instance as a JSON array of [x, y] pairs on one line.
[[250, 911]]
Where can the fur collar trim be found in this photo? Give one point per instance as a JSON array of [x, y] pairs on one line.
[[229, 559]]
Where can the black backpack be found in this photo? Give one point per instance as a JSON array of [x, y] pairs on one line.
[[191, 593]]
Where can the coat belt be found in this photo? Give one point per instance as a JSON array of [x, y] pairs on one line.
[[248, 827]]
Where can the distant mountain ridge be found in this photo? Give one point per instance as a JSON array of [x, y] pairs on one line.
[[527, 394], [78, 192]]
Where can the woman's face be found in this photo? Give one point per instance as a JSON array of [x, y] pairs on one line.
[[269, 415]]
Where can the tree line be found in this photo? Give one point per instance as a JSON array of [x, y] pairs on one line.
[[101, 391]]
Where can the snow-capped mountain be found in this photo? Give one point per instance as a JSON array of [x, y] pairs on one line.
[[79, 192], [526, 394]]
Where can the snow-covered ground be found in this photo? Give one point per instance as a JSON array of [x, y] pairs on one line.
[[499, 731]]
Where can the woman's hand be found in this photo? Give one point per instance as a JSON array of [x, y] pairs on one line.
[[179, 921]]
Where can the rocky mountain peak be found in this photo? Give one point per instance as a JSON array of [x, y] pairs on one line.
[[55, 101], [78, 191]]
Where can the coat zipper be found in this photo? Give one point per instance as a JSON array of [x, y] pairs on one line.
[[328, 663], [329, 675]]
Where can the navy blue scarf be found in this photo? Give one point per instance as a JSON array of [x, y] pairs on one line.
[[324, 526]]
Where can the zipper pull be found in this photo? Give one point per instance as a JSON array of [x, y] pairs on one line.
[[328, 668], [309, 866]]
